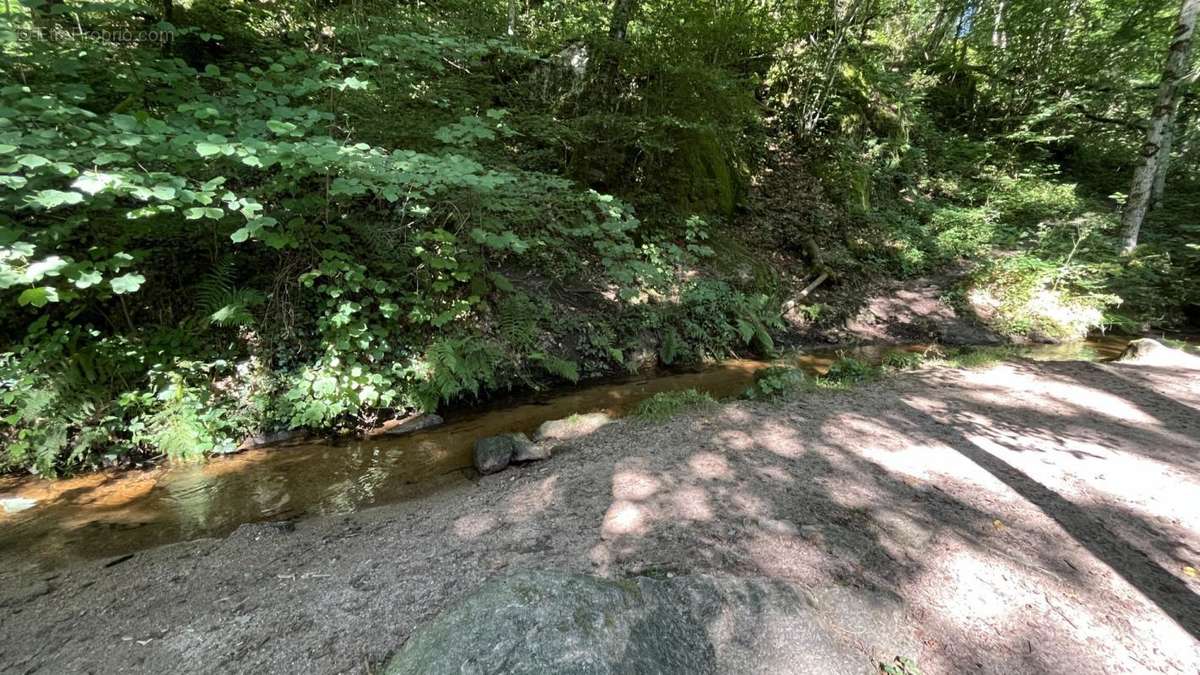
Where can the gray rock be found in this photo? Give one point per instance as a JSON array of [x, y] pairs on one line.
[[1148, 352], [571, 427], [525, 450], [644, 357], [492, 454], [550, 622], [287, 437], [412, 424]]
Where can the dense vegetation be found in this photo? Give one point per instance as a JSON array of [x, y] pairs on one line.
[[219, 217]]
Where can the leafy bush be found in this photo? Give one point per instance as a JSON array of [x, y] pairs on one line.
[[774, 382], [665, 405], [848, 370], [898, 360]]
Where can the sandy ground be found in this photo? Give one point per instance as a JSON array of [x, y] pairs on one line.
[[1031, 518]]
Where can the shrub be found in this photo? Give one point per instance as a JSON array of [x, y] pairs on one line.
[[848, 370], [774, 382], [665, 405]]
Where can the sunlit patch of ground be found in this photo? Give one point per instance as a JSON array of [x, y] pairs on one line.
[[1028, 518]]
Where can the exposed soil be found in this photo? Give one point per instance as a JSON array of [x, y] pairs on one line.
[[1031, 517], [888, 311]]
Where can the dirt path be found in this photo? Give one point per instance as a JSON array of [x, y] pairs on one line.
[[1031, 517]]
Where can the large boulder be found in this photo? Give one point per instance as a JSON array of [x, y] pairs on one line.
[[709, 182], [1147, 352], [494, 453], [553, 622]]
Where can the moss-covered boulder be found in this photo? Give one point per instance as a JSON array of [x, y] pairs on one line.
[[709, 180]]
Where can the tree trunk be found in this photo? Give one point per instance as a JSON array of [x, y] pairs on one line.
[[45, 16], [1143, 177], [1162, 163], [621, 14], [999, 34]]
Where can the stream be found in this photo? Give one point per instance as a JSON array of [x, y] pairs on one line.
[[45, 524]]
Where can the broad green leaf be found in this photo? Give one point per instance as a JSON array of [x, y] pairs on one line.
[[52, 198], [281, 128], [38, 297], [32, 161], [48, 267], [92, 183], [127, 283], [87, 279]]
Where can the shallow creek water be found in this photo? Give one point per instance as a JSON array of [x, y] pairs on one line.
[[44, 524]]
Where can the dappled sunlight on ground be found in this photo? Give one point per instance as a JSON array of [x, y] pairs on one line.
[[1018, 530]]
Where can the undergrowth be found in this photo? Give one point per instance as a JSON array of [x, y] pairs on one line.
[[665, 405]]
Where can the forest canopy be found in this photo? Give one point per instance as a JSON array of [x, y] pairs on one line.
[[220, 217]]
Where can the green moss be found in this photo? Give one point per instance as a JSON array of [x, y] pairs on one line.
[[709, 183]]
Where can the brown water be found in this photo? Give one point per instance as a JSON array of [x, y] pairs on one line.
[[44, 524]]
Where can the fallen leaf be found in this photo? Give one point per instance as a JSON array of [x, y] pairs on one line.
[[1190, 571]]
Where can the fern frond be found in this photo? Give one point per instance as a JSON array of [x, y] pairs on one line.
[[221, 302]]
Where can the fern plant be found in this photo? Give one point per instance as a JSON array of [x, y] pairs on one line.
[[219, 300], [453, 367]]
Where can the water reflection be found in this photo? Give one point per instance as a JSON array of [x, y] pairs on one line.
[[106, 514]]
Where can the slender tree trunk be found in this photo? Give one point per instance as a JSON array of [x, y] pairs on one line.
[[1162, 162], [609, 68], [512, 17], [1143, 177], [999, 34], [622, 12]]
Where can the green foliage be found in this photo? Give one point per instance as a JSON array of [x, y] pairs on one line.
[[848, 370], [318, 214], [711, 319], [665, 405], [900, 361], [775, 382]]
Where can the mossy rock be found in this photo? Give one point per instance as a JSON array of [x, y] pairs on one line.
[[709, 180]]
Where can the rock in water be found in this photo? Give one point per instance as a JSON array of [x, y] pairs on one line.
[[412, 424], [492, 454], [1149, 352], [553, 622], [571, 427], [286, 437]]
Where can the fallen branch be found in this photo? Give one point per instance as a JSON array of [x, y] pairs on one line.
[[813, 286]]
